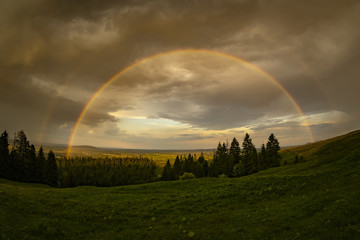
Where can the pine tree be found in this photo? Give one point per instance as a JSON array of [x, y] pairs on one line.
[[30, 165], [51, 169], [235, 151], [20, 157], [220, 159], [189, 164], [4, 155], [40, 166], [177, 168], [249, 155], [262, 160], [168, 172], [272, 148], [204, 164]]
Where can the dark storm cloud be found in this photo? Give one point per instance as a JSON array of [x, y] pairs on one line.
[[310, 47]]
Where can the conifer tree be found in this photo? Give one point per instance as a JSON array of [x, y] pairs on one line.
[[262, 160], [189, 164], [51, 169], [20, 157], [235, 151], [177, 168], [40, 166], [249, 155], [168, 172], [30, 164], [220, 158], [204, 164], [4, 155], [272, 148]]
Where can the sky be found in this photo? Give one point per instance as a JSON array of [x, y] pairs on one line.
[[167, 74]]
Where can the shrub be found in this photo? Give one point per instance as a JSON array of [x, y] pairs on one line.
[[187, 176]]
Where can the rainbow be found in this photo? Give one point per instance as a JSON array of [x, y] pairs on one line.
[[190, 50]]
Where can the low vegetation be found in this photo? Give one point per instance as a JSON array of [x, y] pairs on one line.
[[316, 198]]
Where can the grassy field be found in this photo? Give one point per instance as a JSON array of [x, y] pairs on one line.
[[315, 199]]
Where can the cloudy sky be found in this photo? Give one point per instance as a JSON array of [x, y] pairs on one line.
[[200, 71]]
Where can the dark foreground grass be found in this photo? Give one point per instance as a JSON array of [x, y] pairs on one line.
[[316, 199]]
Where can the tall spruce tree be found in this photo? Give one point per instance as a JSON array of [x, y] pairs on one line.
[[249, 155], [235, 151], [168, 172], [272, 149], [177, 168], [189, 164], [40, 166], [20, 155], [262, 160], [4, 155], [218, 165], [204, 163], [51, 169]]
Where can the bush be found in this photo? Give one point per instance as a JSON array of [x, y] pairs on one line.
[[187, 176], [222, 176]]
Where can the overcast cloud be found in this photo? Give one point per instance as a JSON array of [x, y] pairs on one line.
[[56, 54]]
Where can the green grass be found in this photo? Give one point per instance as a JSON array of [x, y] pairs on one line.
[[315, 199]]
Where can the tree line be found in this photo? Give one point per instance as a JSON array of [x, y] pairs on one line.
[[105, 172], [23, 164], [227, 161]]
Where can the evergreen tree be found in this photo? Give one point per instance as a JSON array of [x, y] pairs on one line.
[[204, 164], [168, 172], [51, 169], [262, 160], [199, 170], [272, 148], [177, 168], [249, 155], [4, 155], [189, 164], [219, 160], [40, 166], [30, 165], [20, 157], [235, 151]]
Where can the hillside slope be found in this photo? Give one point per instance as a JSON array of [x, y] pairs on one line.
[[314, 199]]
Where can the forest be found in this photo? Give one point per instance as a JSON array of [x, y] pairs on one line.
[[23, 163]]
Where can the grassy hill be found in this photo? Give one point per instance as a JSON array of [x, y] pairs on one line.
[[315, 199]]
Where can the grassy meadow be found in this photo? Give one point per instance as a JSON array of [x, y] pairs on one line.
[[317, 198]]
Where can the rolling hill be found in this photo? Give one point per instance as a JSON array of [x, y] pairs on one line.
[[317, 198]]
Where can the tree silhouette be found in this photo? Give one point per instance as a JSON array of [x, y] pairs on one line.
[[51, 169], [40, 166], [262, 160], [235, 151], [178, 168], [4, 155], [272, 148], [249, 155], [168, 172]]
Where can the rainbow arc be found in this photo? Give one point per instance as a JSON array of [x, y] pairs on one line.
[[200, 51]]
